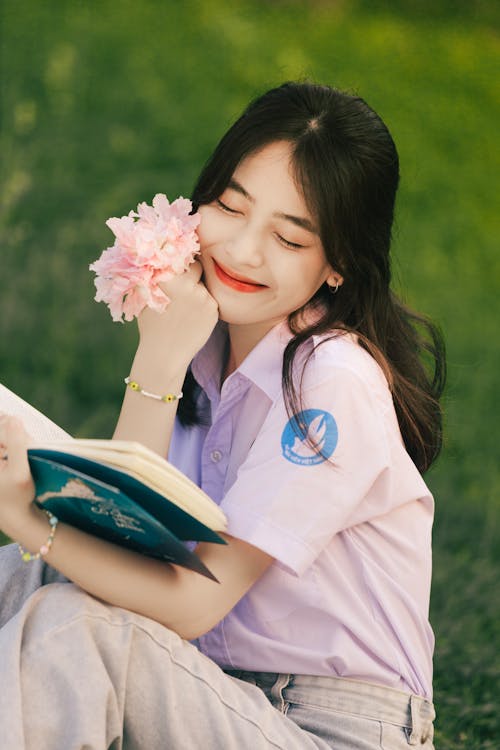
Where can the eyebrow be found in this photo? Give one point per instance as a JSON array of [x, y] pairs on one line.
[[297, 220]]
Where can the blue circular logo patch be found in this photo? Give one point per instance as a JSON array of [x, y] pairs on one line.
[[319, 427]]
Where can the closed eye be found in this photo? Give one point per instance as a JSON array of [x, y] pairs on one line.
[[287, 243], [225, 208]]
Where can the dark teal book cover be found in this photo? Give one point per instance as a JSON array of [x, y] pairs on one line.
[[110, 504]]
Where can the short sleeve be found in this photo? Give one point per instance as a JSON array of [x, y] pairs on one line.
[[288, 500]]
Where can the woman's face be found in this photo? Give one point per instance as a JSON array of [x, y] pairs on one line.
[[260, 249]]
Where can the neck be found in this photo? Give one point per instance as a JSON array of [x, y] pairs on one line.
[[242, 339]]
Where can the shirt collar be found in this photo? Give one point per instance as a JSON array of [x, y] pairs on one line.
[[206, 365], [262, 366]]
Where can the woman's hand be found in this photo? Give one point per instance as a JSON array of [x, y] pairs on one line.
[[184, 327], [168, 343], [17, 489]]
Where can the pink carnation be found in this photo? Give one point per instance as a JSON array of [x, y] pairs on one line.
[[151, 245]]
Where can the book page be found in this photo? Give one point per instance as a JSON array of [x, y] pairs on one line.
[[39, 426], [149, 468]]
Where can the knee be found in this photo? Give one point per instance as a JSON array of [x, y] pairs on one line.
[[58, 608], [56, 603]]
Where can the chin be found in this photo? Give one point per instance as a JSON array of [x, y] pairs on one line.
[[233, 318]]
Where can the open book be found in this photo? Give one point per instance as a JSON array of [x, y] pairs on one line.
[[118, 490], [37, 424]]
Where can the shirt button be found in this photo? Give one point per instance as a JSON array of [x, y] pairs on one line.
[[216, 456]]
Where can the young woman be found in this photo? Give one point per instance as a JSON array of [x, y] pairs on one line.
[[309, 417]]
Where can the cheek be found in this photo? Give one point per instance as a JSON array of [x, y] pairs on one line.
[[203, 230], [301, 281], [212, 227], [297, 274]]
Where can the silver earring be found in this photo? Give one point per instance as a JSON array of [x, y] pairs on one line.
[[334, 289]]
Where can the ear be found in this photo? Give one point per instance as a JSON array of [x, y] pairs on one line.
[[335, 280]]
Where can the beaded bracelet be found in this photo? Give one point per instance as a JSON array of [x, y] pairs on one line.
[[167, 398], [27, 556]]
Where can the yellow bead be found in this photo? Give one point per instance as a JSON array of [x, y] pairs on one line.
[[135, 386], [26, 556]]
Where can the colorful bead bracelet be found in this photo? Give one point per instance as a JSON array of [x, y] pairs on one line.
[[167, 398], [27, 556]]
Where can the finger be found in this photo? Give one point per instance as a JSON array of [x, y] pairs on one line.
[[4, 420], [10, 422], [177, 283], [14, 439], [3, 447], [194, 271]]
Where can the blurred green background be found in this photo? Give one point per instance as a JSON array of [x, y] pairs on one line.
[[106, 103]]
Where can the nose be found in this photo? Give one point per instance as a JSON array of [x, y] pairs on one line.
[[245, 246]]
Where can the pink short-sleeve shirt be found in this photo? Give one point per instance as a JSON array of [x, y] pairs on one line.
[[350, 530]]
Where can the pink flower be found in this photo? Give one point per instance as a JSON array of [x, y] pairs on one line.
[[151, 245]]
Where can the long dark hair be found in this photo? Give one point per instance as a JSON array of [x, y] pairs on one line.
[[348, 168]]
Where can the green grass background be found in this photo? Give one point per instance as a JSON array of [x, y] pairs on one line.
[[106, 103]]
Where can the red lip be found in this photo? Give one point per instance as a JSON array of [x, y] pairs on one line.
[[240, 284]]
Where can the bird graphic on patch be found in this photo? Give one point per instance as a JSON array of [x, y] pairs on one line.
[[319, 429], [316, 434]]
